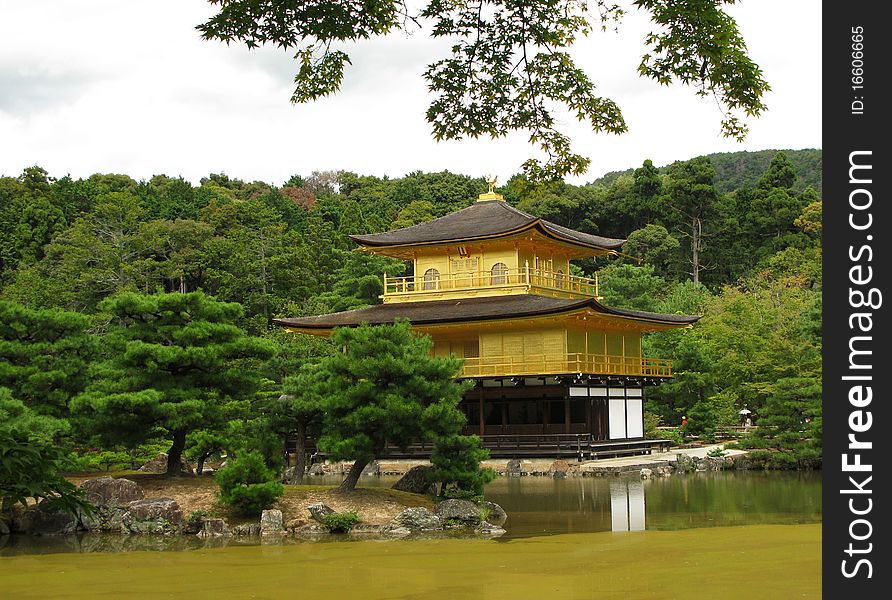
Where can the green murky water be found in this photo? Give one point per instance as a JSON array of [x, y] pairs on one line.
[[724, 535]]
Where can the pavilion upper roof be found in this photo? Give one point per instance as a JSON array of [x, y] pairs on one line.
[[481, 220]]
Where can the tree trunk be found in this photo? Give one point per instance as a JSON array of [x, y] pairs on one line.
[[349, 483], [199, 467], [696, 229], [301, 453], [175, 454]]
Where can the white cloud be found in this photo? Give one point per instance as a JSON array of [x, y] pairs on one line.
[[110, 86]]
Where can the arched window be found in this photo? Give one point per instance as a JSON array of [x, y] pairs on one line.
[[431, 279], [499, 274]]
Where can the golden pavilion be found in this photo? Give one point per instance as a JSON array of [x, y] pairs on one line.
[[556, 372]]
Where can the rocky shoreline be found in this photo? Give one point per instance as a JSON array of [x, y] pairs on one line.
[[119, 505]]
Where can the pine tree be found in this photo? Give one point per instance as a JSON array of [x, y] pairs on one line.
[[172, 361], [384, 389]]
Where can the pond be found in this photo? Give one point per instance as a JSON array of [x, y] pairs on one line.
[[727, 535]]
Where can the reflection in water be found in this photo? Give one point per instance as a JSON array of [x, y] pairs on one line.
[[627, 505]]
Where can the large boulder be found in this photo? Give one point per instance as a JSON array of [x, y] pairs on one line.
[[48, 518], [417, 518], [416, 481], [454, 512], [108, 491], [159, 465], [110, 498], [319, 511], [4, 528], [271, 522], [494, 513], [152, 515], [373, 468]]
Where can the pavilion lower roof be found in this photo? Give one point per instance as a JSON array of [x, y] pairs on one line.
[[493, 218], [464, 310]]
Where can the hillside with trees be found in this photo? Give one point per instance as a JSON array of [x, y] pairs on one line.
[[736, 170], [137, 314]]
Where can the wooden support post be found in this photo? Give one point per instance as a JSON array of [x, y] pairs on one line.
[[482, 419], [567, 414]]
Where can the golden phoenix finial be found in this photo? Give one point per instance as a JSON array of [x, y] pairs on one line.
[[492, 184]]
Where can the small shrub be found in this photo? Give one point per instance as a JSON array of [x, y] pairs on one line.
[[672, 434], [248, 485], [456, 461], [651, 426], [341, 522], [716, 452]]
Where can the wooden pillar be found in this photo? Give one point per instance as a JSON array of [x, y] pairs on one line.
[[588, 415], [481, 419], [541, 405], [567, 414]]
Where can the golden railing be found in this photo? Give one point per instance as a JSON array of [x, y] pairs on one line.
[[557, 364], [555, 280]]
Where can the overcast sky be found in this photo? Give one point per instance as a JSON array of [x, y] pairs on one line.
[[127, 86]]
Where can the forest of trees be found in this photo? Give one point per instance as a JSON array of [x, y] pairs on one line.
[[87, 265]]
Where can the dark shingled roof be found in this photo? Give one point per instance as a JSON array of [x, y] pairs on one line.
[[471, 309], [482, 219]]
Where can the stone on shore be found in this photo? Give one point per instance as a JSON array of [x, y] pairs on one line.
[[152, 516], [271, 522], [415, 481], [463, 513], [489, 529], [211, 528], [311, 530], [51, 519], [319, 511], [495, 514], [514, 467], [417, 518], [683, 463], [559, 469], [246, 529], [109, 491], [110, 498]]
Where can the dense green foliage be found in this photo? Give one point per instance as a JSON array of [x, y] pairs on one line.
[[341, 522], [31, 469], [248, 485], [456, 461], [93, 360], [44, 355], [737, 170], [510, 65], [384, 388], [172, 361]]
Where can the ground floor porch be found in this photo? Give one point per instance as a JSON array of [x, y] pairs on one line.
[[561, 417]]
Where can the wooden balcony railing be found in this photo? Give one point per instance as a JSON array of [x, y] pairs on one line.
[[557, 364], [526, 276]]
